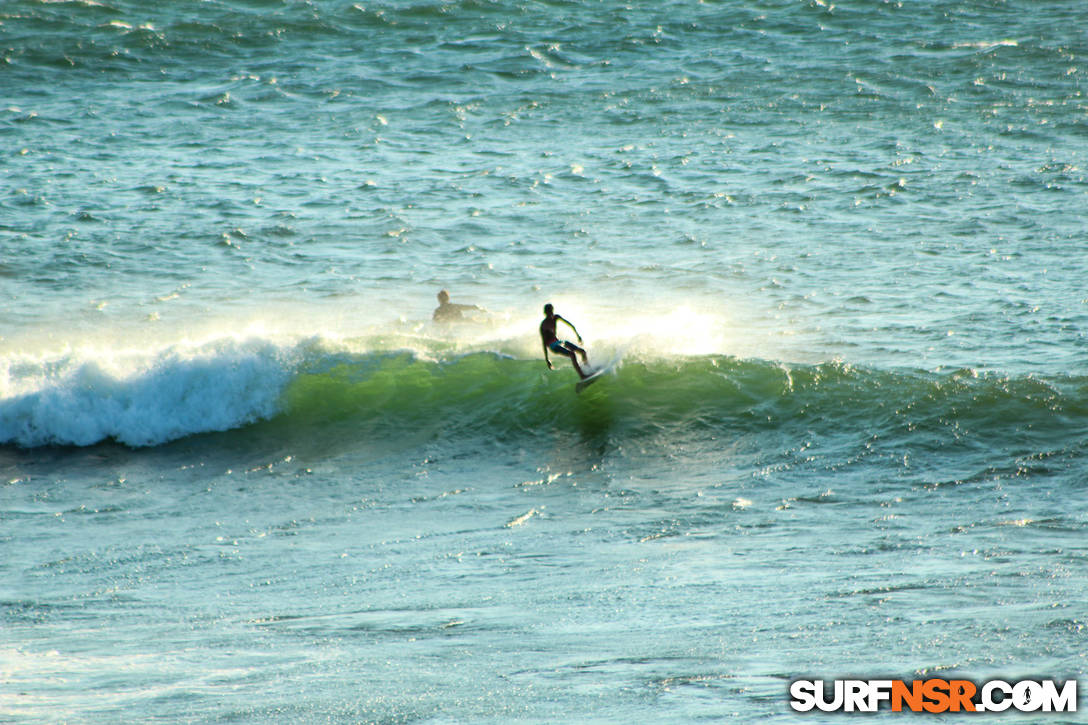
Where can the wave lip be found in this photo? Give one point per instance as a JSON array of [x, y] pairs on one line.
[[140, 398]]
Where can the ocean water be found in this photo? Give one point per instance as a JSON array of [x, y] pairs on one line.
[[839, 248]]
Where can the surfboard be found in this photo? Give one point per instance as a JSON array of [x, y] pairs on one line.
[[596, 374], [589, 380]]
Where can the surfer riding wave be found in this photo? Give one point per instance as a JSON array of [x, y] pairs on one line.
[[551, 341]]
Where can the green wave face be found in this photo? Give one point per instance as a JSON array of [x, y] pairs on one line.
[[437, 391], [394, 394]]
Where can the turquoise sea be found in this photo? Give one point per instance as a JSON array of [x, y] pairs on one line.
[[840, 249]]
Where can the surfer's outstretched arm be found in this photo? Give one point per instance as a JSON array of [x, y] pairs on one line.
[[571, 326], [547, 359]]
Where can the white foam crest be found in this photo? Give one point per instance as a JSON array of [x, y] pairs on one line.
[[140, 397], [680, 331], [661, 332], [670, 329]]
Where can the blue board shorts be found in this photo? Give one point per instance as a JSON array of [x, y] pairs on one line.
[[559, 346]]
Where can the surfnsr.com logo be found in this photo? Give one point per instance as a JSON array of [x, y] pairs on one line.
[[933, 695]]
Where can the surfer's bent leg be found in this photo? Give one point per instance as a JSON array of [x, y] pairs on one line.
[[574, 348], [568, 352]]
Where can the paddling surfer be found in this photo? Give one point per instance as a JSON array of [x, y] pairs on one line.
[[552, 343], [449, 312]]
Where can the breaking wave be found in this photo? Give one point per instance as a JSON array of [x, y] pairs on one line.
[[140, 399]]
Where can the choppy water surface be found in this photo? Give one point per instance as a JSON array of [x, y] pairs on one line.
[[840, 249]]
